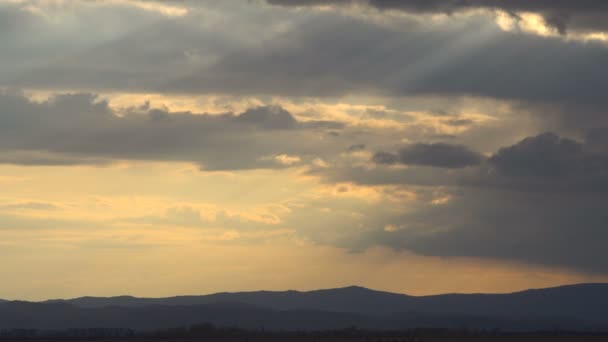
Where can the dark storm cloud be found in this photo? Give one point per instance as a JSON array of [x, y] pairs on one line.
[[80, 129], [586, 15], [436, 155]]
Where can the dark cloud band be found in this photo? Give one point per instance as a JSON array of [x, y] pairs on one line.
[[586, 15]]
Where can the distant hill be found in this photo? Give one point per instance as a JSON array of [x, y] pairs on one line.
[[585, 301], [576, 307]]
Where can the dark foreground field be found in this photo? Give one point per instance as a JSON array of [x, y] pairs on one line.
[[422, 338]]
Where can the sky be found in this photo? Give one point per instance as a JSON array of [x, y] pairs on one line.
[[160, 148]]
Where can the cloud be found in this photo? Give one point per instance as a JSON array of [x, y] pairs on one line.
[[474, 58], [545, 163], [29, 206], [547, 229], [538, 199], [148, 52], [285, 159], [586, 15], [146, 44], [545, 155], [435, 155], [269, 118], [356, 147], [82, 129], [548, 163], [542, 200]]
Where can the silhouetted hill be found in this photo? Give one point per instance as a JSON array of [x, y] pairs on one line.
[[576, 307], [585, 301]]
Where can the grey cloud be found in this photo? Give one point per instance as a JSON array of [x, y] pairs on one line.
[[470, 57], [562, 14], [385, 158], [139, 60], [474, 58], [380, 175], [540, 201], [356, 147], [546, 229], [12, 19], [118, 45], [585, 15], [546, 155], [547, 163], [460, 122], [41, 38], [597, 139], [436, 155], [79, 128], [268, 117], [44, 158]]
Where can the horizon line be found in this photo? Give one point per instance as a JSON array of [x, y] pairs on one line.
[[302, 291]]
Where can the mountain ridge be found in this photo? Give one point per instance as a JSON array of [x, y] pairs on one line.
[[580, 306], [354, 287], [586, 301]]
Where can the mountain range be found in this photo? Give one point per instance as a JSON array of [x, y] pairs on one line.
[[574, 307]]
